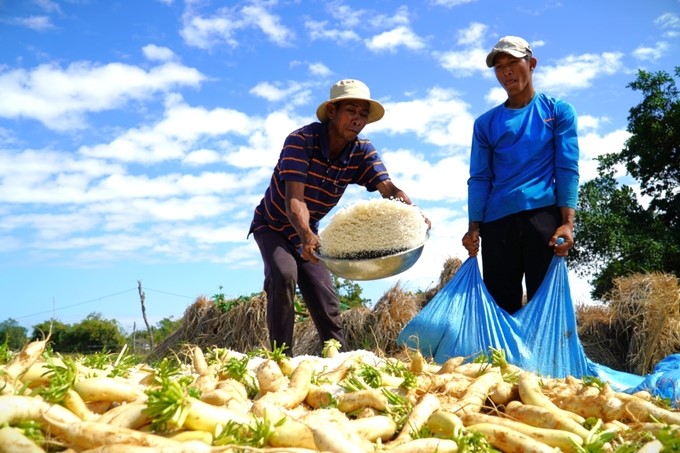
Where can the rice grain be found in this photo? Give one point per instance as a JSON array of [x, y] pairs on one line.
[[373, 228]]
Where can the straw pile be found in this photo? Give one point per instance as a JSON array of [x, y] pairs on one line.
[[639, 326]]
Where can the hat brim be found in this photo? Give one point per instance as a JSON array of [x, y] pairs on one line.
[[376, 112], [493, 53]]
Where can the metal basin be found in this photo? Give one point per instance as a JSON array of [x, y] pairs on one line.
[[373, 268]]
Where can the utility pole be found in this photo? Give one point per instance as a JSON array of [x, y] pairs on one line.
[[148, 327]]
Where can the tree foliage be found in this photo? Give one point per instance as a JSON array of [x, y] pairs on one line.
[[92, 334], [349, 293], [12, 334], [616, 235]]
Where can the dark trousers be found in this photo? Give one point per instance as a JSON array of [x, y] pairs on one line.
[[284, 269], [515, 247]]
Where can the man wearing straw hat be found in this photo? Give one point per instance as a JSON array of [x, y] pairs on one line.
[[317, 163]]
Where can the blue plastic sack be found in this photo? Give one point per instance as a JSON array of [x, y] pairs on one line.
[[460, 320], [664, 380], [463, 320], [548, 326]]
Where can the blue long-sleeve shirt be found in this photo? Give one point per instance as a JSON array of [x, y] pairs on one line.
[[523, 159]]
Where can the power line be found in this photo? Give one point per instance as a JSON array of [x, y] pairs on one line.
[[78, 304], [97, 299], [169, 294]]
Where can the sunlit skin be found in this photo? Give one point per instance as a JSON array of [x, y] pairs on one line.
[[515, 76], [346, 120]]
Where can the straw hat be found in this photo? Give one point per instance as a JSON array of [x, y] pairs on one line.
[[351, 89]]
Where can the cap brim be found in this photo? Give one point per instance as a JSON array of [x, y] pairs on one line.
[[493, 53], [376, 112]]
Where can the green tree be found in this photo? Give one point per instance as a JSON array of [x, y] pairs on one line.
[[161, 331], [94, 334], [13, 334], [349, 293], [615, 234], [57, 329], [652, 154]]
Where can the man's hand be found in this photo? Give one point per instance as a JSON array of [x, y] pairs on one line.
[[564, 232], [471, 242], [310, 243]]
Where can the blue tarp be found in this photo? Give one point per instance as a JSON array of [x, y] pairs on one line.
[[463, 320]]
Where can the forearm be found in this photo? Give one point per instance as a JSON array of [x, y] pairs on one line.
[[298, 215], [568, 215]]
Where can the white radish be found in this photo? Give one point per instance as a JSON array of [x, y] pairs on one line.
[[270, 378], [426, 445], [330, 437], [564, 440], [476, 394], [374, 427], [530, 393], [18, 408], [543, 417], [510, 441], [359, 399], [21, 362], [421, 412], [108, 389], [84, 435], [74, 402], [443, 423], [12, 440]]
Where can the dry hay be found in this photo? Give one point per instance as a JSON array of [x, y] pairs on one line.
[[242, 328], [598, 338], [645, 312], [373, 330]]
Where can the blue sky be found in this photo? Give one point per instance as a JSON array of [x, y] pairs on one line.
[[136, 138]]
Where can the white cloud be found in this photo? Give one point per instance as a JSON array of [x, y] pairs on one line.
[[451, 3], [471, 58], [221, 28], [60, 98], [169, 139], [269, 24], [201, 157], [319, 30], [439, 118], [576, 72], [668, 20], [37, 23], [652, 53], [158, 53], [391, 40], [593, 145], [48, 6], [319, 69], [293, 92]]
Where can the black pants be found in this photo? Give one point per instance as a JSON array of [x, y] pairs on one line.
[[515, 247], [284, 269]]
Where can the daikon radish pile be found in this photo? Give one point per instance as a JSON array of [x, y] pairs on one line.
[[224, 401]]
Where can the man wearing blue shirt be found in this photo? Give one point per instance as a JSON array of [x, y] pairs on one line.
[[523, 184]]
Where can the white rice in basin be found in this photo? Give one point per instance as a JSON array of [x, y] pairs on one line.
[[373, 228]]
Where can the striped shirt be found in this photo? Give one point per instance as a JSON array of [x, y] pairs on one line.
[[304, 158]]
